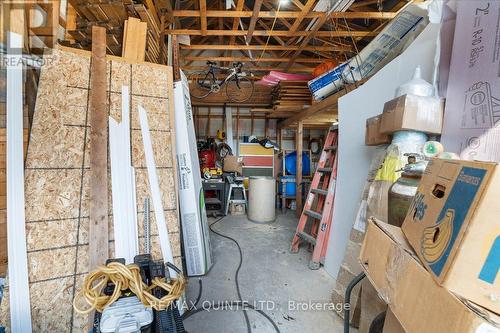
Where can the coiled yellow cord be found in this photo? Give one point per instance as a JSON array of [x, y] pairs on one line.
[[125, 277]]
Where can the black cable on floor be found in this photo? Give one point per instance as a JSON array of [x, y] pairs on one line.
[[244, 305], [236, 275]]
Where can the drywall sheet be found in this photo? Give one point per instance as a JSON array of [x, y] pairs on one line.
[[354, 157], [57, 178], [472, 114]]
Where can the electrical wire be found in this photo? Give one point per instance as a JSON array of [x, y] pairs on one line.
[[123, 278], [192, 310]]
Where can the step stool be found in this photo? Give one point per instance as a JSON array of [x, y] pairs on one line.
[[229, 200]]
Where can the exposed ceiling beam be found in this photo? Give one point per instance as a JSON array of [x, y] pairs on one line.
[[255, 69], [253, 20], [362, 3], [285, 14], [203, 17], [319, 23], [279, 33], [263, 47], [236, 20], [282, 20], [304, 12], [247, 59], [265, 26], [298, 4]]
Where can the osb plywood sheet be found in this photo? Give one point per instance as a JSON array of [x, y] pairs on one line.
[[57, 179]]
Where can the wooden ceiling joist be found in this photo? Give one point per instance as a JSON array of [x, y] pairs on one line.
[[307, 8], [247, 59], [203, 17], [236, 21], [266, 47], [280, 33], [285, 14], [253, 20], [319, 23], [255, 68]]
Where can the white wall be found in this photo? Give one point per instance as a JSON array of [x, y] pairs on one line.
[[354, 157]]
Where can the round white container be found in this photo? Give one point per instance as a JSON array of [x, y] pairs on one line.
[[261, 198]]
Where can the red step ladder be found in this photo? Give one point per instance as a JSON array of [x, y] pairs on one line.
[[321, 195]]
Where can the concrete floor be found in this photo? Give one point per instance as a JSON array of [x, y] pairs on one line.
[[269, 273]]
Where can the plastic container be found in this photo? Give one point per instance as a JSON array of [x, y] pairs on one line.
[[291, 163], [261, 199], [290, 187]]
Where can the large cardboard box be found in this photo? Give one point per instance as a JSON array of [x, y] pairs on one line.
[[410, 112], [419, 303], [453, 225], [392, 324], [233, 164], [373, 136]]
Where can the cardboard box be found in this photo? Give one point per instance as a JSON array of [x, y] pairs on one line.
[[392, 324], [409, 112], [371, 306], [453, 225], [373, 136], [233, 164], [420, 304]]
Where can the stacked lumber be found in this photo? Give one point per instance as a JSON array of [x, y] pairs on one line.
[[112, 15], [291, 95]]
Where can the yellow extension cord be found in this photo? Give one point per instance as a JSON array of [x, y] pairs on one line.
[[125, 277]]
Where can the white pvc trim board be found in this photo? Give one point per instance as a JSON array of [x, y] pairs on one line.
[[123, 184], [166, 249], [20, 308]]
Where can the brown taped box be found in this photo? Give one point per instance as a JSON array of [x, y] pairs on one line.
[[371, 306], [392, 324], [410, 112], [373, 136], [453, 226], [419, 303], [233, 164]]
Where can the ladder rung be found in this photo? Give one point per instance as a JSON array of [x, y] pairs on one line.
[[330, 148], [313, 214], [319, 191], [308, 238], [325, 170]]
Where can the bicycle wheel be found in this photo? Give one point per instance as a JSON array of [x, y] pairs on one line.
[[200, 84], [239, 89]]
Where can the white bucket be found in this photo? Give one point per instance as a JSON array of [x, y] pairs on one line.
[[261, 199]]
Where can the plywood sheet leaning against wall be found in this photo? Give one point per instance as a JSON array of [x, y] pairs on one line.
[[57, 177]]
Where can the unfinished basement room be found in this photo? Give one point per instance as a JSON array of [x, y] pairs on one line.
[[249, 166]]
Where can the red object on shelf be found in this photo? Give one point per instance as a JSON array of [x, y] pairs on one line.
[[207, 159]]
